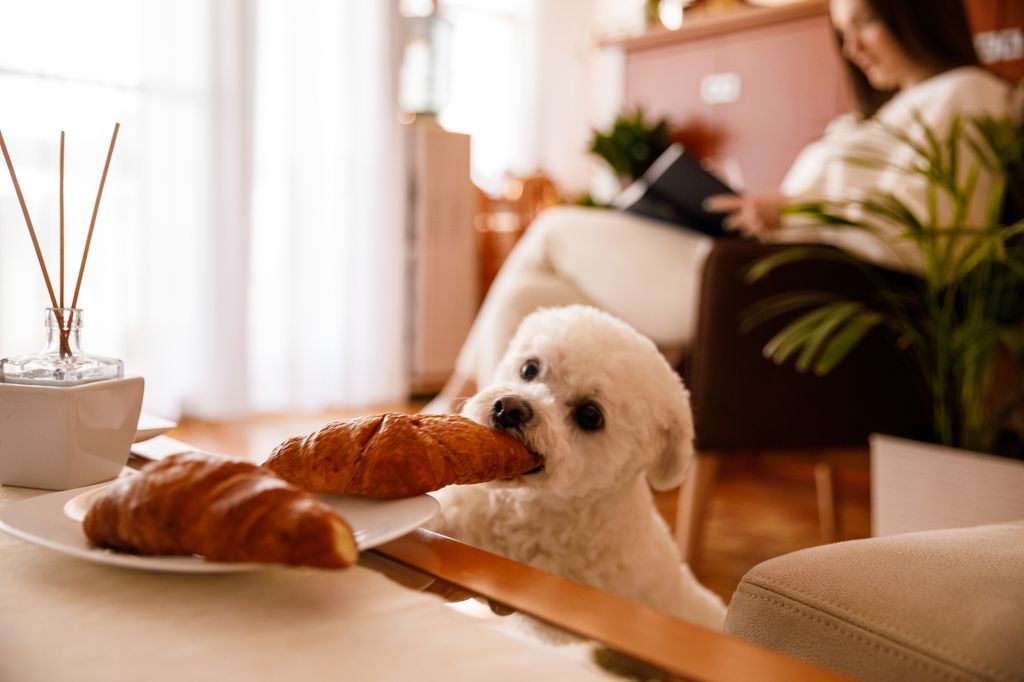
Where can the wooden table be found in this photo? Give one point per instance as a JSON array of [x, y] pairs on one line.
[[62, 617], [650, 636]]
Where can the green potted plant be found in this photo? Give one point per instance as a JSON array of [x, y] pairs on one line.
[[962, 321], [632, 144]]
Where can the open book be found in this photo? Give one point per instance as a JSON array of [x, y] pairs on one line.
[[673, 189]]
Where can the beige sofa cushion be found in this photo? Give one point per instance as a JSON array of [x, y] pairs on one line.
[[938, 605]]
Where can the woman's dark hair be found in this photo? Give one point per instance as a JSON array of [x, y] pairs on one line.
[[932, 32]]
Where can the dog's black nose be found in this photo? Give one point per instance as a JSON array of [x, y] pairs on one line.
[[510, 412]]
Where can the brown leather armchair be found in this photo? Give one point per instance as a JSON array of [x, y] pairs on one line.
[[744, 402]]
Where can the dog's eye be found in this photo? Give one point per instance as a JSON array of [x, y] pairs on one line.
[[530, 370], [589, 417]]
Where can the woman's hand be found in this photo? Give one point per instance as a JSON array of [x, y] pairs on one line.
[[752, 215]]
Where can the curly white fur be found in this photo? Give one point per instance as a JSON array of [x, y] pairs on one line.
[[589, 514]]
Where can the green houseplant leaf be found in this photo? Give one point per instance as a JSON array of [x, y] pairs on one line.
[[963, 318], [632, 144]]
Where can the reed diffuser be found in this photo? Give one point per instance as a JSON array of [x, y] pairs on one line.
[[61, 362], [69, 417]]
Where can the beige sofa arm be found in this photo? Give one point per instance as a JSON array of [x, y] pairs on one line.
[[937, 605]]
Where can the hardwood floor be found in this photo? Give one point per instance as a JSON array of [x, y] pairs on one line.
[[761, 506]]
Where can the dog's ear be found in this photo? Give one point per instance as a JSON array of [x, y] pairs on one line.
[[675, 448]]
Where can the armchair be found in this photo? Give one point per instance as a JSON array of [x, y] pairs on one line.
[[933, 605], [743, 402]]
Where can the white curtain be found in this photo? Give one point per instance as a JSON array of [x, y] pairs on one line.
[[327, 252], [249, 250], [530, 79]]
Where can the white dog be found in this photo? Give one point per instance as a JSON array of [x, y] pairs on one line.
[[608, 415]]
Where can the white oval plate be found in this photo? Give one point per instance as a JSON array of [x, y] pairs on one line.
[[151, 426], [54, 521]]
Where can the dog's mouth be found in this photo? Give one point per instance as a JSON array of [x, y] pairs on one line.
[[537, 469], [536, 455], [518, 434]]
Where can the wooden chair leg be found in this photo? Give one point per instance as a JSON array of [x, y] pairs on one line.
[[693, 500], [828, 507]]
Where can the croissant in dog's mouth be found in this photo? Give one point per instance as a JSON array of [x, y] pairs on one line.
[[521, 437], [535, 470], [539, 457], [389, 456]]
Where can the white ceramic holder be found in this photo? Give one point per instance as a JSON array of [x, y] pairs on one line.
[[58, 438]]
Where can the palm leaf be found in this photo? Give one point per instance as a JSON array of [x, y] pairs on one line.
[[967, 310], [984, 150], [781, 304], [814, 342], [974, 255], [1012, 339], [956, 130], [822, 212], [897, 134], [1015, 267], [764, 266], [792, 337], [934, 146], [878, 163], [845, 341], [888, 207]]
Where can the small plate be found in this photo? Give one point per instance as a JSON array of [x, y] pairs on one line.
[[54, 521], [151, 427]]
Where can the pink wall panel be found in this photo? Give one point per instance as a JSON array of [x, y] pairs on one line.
[[790, 85], [666, 81]]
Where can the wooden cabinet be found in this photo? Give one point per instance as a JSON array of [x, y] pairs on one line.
[[762, 82], [443, 262]]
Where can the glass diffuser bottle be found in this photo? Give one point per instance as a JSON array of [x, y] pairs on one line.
[[61, 362], [68, 418]]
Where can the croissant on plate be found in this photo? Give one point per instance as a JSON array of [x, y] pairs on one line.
[[223, 510], [399, 455]]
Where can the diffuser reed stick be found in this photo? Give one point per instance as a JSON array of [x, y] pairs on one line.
[[35, 243], [62, 219], [65, 349], [95, 211], [28, 219]]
